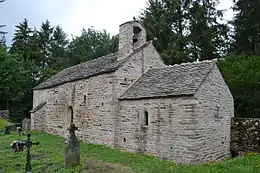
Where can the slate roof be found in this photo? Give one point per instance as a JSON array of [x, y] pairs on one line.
[[177, 80], [97, 66], [104, 64]]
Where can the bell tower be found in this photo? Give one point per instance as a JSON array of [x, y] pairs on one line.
[[131, 35]]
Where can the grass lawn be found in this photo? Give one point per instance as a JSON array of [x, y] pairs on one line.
[[48, 157], [3, 124]]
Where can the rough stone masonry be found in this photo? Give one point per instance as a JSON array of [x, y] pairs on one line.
[[131, 100]]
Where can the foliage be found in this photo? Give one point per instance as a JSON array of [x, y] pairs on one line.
[[3, 124], [186, 30], [90, 45], [14, 75], [246, 27], [208, 37], [242, 74], [36, 55], [49, 155]]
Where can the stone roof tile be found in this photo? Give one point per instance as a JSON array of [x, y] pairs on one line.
[[104, 64], [177, 80]]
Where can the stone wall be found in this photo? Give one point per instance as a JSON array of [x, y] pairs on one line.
[[245, 135], [26, 124], [126, 33], [168, 134], [184, 129], [38, 119], [214, 113], [91, 102], [129, 73], [4, 114]]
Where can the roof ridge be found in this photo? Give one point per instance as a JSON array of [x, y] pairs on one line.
[[185, 63]]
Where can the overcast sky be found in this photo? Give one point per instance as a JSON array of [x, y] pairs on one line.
[[73, 15]]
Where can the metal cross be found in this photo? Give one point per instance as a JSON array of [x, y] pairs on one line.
[[28, 144]]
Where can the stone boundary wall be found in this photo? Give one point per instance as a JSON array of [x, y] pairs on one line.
[[245, 135], [4, 114]]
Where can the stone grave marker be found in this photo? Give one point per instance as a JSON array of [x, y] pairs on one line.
[[72, 148], [26, 124]]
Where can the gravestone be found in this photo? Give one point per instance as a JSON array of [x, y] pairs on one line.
[[72, 148], [26, 124]]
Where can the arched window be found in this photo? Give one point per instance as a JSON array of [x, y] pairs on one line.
[[146, 118], [71, 114], [85, 98], [136, 31]]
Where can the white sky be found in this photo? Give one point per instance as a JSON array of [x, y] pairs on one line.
[[73, 15]]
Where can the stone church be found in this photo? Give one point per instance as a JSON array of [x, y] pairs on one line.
[[132, 101]]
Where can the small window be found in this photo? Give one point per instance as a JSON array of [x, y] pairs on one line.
[[217, 117], [85, 98], [71, 114], [84, 101], [146, 118]]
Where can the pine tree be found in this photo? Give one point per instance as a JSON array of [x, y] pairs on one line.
[[59, 44], [186, 30], [45, 39], [208, 37], [247, 26], [165, 21], [21, 40]]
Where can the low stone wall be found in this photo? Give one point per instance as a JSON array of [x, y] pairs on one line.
[[4, 114], [245, 135]]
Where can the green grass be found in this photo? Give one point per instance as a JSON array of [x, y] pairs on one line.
[[3, 124], [48, 157]]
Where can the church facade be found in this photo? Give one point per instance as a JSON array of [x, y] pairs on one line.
[[131, 100]]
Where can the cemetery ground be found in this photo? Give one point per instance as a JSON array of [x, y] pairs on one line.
[[49, 157]]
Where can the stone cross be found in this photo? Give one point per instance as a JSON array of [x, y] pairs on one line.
[[72, 149], [28, 144]]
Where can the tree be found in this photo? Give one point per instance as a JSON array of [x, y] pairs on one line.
[[246, 27], [45, 39], [21, 41], [185, 30], [2, 33], [165, 22], [59, 45], [208, 37], [242, 74], [90, 45], [15, 79]]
